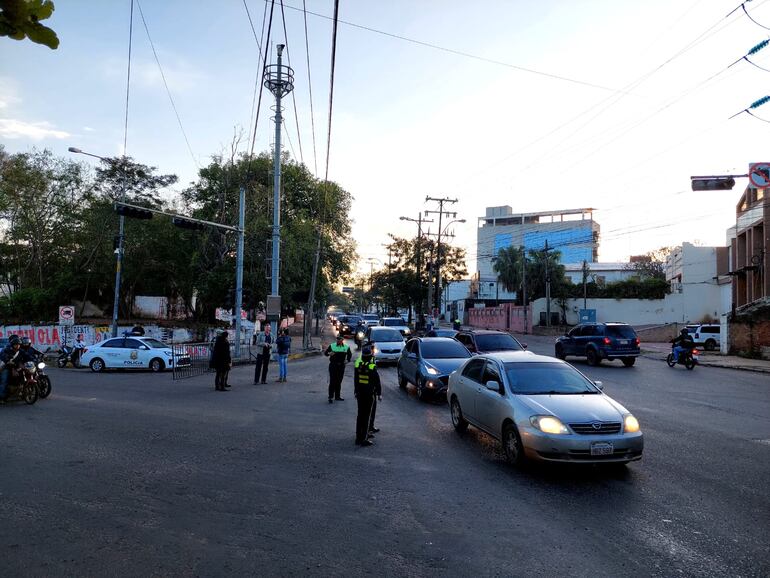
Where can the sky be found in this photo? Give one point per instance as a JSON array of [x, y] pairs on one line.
[[554, 104]]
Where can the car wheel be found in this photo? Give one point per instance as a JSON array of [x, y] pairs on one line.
[[629, 361], [710, 345], [670, 360], [420, 390], [514, 451], [96, 365], [157, 365], [559, 352], [401, 379], [458, 421], [593, 358]]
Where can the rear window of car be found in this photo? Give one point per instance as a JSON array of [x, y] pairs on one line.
[[711, 329], [443, 349], [621, 331], [352, 320], [497, 342], [393, 322], [385, 335]]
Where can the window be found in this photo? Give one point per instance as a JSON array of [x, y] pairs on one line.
[[575, 331], [443, 349], [498, 342], [113, 343], [411, 347], [473, 370], [132, 344], [621, 331], [466, 340], [490, 373], [709, 329]]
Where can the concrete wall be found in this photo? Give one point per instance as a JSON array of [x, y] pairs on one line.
[[506, 317], [750, 338]]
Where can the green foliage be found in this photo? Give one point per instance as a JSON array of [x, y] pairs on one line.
[[27, 304], [651, 265], [649, 288], [20, 19]]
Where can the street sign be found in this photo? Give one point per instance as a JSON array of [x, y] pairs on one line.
[[273, 307], [759, 175], [347, 289], [66, 315]]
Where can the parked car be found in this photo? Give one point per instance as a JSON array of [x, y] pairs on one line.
[[598, 341], [396, 323], [347, 325], [387, 343], [427, 363], [370, 318], [542, 408], [129, 353], [441, 333], [708, 335], [488, 341]]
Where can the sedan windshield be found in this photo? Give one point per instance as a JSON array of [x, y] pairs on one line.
[[155, 344], [386, 335], [393, 322], [497, 342], [443, 349], [546, 379]]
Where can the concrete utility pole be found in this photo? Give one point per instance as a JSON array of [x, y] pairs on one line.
[[441, 214], [547, 287], [524, 287], [279, 79], [239, 269], [585, 289]]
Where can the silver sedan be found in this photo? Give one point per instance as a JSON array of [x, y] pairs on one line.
[[542, 408]]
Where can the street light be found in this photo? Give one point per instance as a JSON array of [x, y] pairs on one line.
[[119, 250]]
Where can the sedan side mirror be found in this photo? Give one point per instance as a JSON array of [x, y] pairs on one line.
[[599, 385], [493, 386], [524, 345]]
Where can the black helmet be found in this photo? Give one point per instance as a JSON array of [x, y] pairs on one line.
[[366, 351], [26, 342], [684, 331], [14, 340]]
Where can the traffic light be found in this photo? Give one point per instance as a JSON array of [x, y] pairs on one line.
[[713, 184], [133, 212], [188, 224]]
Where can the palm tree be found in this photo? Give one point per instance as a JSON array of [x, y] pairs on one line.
[[508, 266]]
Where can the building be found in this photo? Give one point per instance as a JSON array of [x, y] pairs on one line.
[[572, 232], [750, 248], [694, 272], [599, 273]]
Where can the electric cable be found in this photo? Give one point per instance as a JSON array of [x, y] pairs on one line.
[[165, 84], [128, 75], [262, 84], [260, 60], [293, 93], [746, 12], [331, 86], [310, 89]]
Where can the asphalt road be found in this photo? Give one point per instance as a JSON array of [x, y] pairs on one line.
[[134, 474]]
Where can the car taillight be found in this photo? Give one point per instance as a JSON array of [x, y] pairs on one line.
[[607, 341], [637, 341]]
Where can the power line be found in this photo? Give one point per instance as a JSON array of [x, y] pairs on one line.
[[128, 76], [293, 97], [331, 86], [310, 88], [460, 52], [746, 12], [262, 84], [258, 72], [168, 92]]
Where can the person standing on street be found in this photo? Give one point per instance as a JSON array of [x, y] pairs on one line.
[[264, 347], [283, 345], [367, 388], [221, 362], [338, 354]]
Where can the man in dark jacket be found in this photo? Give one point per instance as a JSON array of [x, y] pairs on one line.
[[10, 354], [221, 361], [338, 354], [684, 342], [367, 388]]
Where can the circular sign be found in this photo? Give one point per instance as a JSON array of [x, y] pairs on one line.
[[759, 175], [66, 312]]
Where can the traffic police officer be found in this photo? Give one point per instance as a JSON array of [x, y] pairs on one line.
[[338, 354], [366, 384]]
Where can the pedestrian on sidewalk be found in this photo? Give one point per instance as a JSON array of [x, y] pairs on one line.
[[338, 354], [221, 362], [264, 347], [367, 389], [283, 346]]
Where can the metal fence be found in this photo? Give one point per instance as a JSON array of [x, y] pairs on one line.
[[191, 359]]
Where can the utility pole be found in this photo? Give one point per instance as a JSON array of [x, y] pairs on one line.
[[547, 287], [279, 79], [239, 270], [419, 220], [585, 289], [309, 310], [524, 288], [441, 214]]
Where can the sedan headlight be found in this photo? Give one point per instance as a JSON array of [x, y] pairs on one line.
[[431, 370], [630, 424], [548, 424], [375, 351], [41, 365]]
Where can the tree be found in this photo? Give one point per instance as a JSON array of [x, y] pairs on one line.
[[536, 274], [509, 266], [651, 265], [20, 19]]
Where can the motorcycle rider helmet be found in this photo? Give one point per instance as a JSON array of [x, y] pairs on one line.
[[366, 352], [26, 342], [684, 332], [14, 340]]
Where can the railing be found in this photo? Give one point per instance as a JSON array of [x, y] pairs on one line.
[[191, 359]]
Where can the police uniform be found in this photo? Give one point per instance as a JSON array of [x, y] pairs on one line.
[[366, 384], [338, 354]]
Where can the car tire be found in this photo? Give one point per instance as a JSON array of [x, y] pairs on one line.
[[514, 451], [157, 365], [420, 390], [402, 381], [96, 365], [559, 352], [458, 421], [710, 345], [593, 358], [629, 361]]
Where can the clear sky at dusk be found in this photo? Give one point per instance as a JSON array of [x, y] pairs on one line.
[[643, 103]]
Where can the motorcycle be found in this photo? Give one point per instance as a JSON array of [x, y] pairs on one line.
[[688, 358], [22, 385], [43, 381], [68, 355]]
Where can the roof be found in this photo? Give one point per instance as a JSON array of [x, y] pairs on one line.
[[520, 356], [484, 331]]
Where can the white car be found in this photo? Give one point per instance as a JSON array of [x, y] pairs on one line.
[[386, 343], [128, 353], [396, 323]]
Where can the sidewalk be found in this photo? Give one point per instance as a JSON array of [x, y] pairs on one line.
[[661, 350]]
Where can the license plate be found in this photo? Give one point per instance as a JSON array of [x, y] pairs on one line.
[[623, 341], [601, 449]]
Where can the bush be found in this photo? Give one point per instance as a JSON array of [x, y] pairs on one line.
[[25, 305]]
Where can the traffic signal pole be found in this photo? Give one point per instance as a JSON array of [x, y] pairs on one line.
[[119, 263]]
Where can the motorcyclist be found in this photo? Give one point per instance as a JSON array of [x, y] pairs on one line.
[[8, 356], [682, 343], [28, 352]]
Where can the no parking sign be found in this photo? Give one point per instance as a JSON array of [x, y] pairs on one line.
[[66, 315]]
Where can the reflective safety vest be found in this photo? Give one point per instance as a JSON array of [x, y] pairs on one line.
[[339, 348], [364, 369]]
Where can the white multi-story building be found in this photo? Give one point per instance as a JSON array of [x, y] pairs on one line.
[[693, 272]]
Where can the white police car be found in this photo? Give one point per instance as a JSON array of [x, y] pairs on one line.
[[129, 352]]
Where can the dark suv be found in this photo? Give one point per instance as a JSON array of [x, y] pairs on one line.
[[488, 341], [597, 341]]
